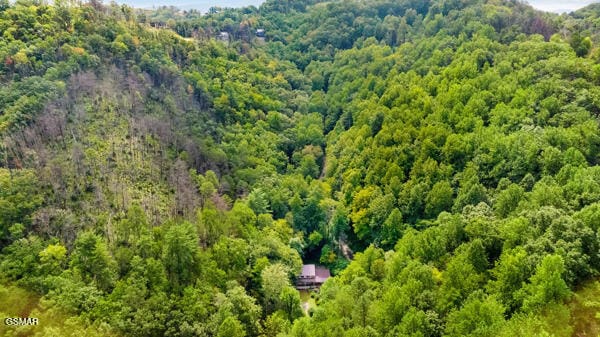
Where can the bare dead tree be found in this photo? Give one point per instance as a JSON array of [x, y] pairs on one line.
[[186, 196]]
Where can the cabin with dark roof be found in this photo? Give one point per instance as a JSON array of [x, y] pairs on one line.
[[312, 277]]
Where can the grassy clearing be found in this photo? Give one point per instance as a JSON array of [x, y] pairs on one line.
[[585, 310], [579, 317], [18, 302], [307, 301]]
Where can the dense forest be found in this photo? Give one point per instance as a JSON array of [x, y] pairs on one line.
[[167, 172]]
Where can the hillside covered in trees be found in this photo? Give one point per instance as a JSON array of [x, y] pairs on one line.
[[167, 173]]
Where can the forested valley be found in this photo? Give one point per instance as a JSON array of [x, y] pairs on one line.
[[168, 173]]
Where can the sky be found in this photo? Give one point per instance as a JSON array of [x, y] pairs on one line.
[[204, 5], [201, 5], [560, 6]]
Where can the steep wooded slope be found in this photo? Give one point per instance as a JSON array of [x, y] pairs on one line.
[[156, 184]]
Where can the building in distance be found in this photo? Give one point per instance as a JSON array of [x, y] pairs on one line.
[[223, 36]]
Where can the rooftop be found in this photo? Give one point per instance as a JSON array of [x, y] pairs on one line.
[[308, 271], [322, 274], [318, 273]]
